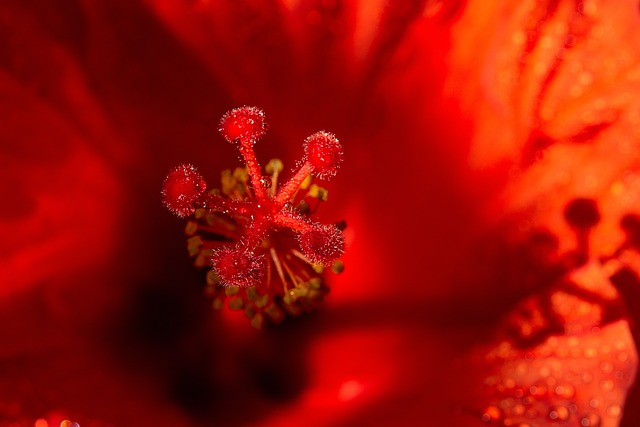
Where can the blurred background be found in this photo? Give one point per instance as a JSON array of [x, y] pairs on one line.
[[490, 187]]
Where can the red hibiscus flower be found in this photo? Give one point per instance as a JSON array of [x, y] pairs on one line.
[[489, 186]]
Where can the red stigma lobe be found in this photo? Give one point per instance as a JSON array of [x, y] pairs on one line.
[[182, 187]]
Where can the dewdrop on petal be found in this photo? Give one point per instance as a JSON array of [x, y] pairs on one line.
[[264, 252]]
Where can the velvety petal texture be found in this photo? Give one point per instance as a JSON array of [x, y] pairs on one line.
[[489, 186]]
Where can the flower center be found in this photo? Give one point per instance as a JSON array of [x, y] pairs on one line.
[[266, 254]]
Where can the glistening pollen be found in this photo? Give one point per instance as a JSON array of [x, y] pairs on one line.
[[265, 253]]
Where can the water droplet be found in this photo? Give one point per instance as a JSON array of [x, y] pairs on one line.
[[538, 390], [620, 345], [606, 367], [586, 377], [507, 403], [590, 353], [614, 410], [590, 420], [606, 385], [509, 383], [491, 413], [559, 413], [594, 403], [580, 7], [518, 409], [565, 390]]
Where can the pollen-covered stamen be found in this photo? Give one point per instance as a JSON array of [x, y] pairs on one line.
[[323, 155], [182, 188], [324, 152], [256, 232], [245, 125], [184, 191], [266, 253], [289, 219], [290, 188], [238, 267], [322, 244]]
